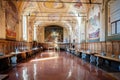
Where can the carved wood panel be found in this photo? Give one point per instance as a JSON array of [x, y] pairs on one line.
[[109, 48], [98, 47], [103, 47]]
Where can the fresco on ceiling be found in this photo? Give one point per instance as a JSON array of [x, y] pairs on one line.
[[53, 17], [78, 4], [54, 5], [30, 6], [94, 23], [11, 15], [53, 34]]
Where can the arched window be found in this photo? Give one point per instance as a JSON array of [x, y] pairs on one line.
[[24, 28], [113, 17]]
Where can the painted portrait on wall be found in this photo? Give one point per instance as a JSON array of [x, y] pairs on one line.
[[11, 16], [94, 24]]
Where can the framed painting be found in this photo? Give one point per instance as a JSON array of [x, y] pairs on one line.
[[53, 33]]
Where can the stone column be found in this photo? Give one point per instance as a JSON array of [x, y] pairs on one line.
[[102, 23]]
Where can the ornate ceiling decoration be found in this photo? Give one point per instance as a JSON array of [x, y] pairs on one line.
[[55, 10], [54, 5]]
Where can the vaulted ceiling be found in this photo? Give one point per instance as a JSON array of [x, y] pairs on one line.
[[39, 11]]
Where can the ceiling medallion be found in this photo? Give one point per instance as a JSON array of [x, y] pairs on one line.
[[53, 5]]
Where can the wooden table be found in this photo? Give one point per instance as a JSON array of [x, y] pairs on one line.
[[6, 56], [108, 58], [3, 76], [5, 62], [101, 59], [20, 55]]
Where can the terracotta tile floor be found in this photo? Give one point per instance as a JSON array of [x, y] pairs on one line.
[[57, 66]]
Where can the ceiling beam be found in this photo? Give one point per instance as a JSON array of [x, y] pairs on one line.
[[56, 12], [54, 16], [90, 2], [53, 12], [38, 21]]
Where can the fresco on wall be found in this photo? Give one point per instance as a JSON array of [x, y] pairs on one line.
[[53, 34], [11, 15], [94, 24]]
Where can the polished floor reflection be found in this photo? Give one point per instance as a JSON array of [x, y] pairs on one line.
[[57, 66]]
